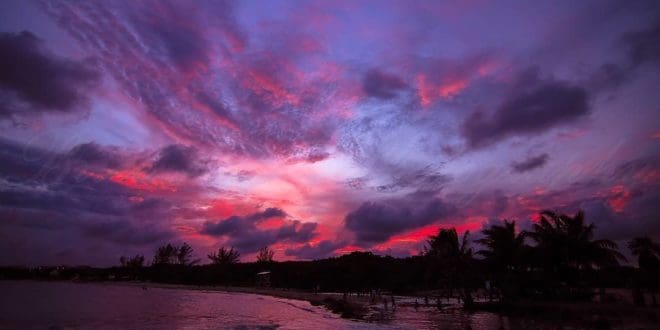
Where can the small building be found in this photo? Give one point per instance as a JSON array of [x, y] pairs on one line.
[[263, 279]]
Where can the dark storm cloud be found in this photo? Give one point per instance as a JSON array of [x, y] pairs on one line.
[[534, 106], [94, 155], [376, 222], [178, 158], [639, 47], [323, 249], [270, 212], [50, 191], [22, 163], [33, 166], [34, 80], [530, 163], [71, 193], [642, 46], [294, 232], [382, 85], [244, 234]]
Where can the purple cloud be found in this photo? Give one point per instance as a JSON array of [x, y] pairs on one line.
[[376, 222], [244, 234], [534, 106], [178, 159], [34, 80], [531, 163]]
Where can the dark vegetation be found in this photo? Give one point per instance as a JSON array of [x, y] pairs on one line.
[[559, 259]]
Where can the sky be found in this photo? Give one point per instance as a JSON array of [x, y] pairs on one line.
[[318, 128]]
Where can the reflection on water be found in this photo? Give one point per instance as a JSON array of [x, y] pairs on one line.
[[63, 305], [71, 305]]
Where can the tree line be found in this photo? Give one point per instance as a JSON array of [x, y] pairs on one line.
[[559, 259]]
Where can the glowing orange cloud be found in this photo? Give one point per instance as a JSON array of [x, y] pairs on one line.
[[272, 223], [221, 208], [539, 191], [446, 90], [423, 90], [416, 235], [451, 88], [349, 249], [139, 181], [620, 197]]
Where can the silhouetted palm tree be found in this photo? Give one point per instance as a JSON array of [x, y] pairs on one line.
[[504, 254], [504, 248], [447, 246], [648, 259], [647, 252], [564, 242], [225, 256], [452, 259]]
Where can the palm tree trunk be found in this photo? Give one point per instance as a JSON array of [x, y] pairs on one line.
[[467, 298], [654, 302]]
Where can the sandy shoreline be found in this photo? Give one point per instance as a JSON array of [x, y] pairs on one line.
[[354, 307], [279, 293]]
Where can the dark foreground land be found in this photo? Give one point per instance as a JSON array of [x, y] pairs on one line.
[[560, 277], [582, 307]]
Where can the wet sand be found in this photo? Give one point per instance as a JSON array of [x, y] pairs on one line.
[[353, 307], [587, 314]]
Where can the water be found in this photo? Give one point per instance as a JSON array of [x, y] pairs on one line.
[[67, 305]]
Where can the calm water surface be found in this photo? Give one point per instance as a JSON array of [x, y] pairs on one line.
[[66, 305]]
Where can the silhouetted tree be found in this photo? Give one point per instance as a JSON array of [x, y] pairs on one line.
[[166, 255], [265, 255], [452, 260], [132, 262], [174, 255], [184, 255], [225, 256], [564, 242], [647, 252], [504, 254], [648, 260], [504, 248]]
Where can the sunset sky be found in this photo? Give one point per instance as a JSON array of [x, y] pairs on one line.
[[319, 127]]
